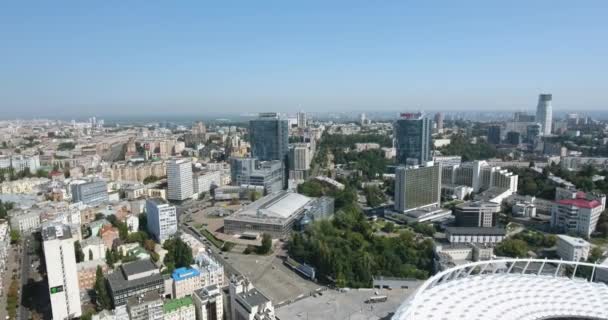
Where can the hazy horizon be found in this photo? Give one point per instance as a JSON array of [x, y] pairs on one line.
[[73, 59]]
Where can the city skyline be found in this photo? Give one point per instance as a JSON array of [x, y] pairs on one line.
[[128, 59]]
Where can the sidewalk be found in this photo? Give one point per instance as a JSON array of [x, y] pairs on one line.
[[7, 278]]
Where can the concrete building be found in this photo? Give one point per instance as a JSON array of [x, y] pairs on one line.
[[417, 187], [513, 138], [247, 302], [25, 221], [300, 157], [132, 222], [204, 181], [523, 209], [251, 171], [209, 303], [179, 309], [269, 136], [62, 273], [571, 248], [577, 163], [412, 132], [439, 121], [475, 235], [276, 214], [185, 281], [480, 176], [162, 219], [87, 273], [134, 279], [544, 113], [145, 307], [92, 193], [93, 248], [179, 180], [302, 119], [211, 272], [577, 212], [477, 214]]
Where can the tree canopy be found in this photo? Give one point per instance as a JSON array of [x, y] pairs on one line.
[[179, 254]]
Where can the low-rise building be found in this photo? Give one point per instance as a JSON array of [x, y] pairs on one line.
[[87, 273], [247, 302], [571, 248], [93, 248], [134, 279], [146, 307], [179, 309], [185, 281], [475, 235], [577, 212]]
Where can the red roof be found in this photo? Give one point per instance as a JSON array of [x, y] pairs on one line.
[[581, 203]]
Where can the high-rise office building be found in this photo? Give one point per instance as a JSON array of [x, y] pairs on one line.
[[513, 138], [269, 136], [544, 113], [62, 274], [302, 120], [179, 180], [91, 193], [494, 134], [299, 161], [439, 121], [417, 187], [162, 219], [413, 139]]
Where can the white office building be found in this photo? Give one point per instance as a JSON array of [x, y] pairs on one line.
[[62, 273], [179, 180], [302, 121], [571, 248], [203, 182], [417, 187], [162, 219], [544, 113]]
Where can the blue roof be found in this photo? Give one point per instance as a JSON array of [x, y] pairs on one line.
[[184, 273]]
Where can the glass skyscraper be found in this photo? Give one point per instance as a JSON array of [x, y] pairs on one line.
[[413, 138], [269, 135]]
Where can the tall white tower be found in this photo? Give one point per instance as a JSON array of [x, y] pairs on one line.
[[179, 179], [544, 113], [60, 259]]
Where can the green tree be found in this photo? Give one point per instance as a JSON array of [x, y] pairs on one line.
[[151, 179], [102, 298], [179, 254], [515, 248], [90, 254], [15, 236], [266, 244], [389, 227], [110, 258], [78, 252]]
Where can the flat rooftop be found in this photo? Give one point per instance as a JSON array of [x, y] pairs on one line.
[[56, 231], [280, 205], [476, 231]]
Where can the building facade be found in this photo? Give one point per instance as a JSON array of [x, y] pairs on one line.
[[162, 219], [269, 136], [544, 113], [417, 187], [251, 171], [62, 273], [477, 214], [209, 303], [179, 180], [571, 248], [203, 182], [92, 193], [413, 138]]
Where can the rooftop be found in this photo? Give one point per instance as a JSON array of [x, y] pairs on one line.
[[476, 231], [136, 267], [279, 205], [175, 304], [184, 273], [573, 241], [253, 297], [56, 231], [581, 203]]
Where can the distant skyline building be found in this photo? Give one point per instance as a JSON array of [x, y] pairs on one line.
[[494, 134], [162, 219], [412, 132], [302, 119], [299, 161], [544, 113], [269, 137], [417, 187], [179, 180], [62, 273], [439, 121]]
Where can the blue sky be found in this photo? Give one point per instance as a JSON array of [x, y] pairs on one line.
[[194, 57]]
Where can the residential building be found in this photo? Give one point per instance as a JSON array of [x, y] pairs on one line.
[[251, 171], [302, 120], [477, 214], [148, 306], [62, 273], [417, 187], [544, 113], [571, 248], [208, 303], [269, 136], [179, 309], [87, 273], [577, 212], [185, 281], [211, 272], [162, 219], [480, 176], [204, 181], [299, 161], [25, 221], [412, 132], [179, 180], [134, 279], [108, 235], [92, 193], [276, 214], [494, 134], [247, 302], [93, 248]]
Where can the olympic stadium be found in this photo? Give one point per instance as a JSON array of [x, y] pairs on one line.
[[512, 289]]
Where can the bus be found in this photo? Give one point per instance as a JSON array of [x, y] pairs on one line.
[[376, 299]]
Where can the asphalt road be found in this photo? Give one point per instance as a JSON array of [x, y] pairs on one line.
[[23, 312]]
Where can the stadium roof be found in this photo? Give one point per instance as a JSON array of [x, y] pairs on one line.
[[510, 289]]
